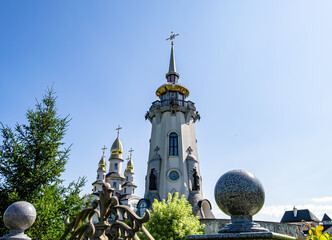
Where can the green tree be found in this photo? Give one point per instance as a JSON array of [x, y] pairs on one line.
[[173, 220], [32, 158]]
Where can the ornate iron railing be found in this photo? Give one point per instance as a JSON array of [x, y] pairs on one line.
[[174, 103], [109, 227]]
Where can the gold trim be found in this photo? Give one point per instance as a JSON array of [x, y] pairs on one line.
[[172, 87]]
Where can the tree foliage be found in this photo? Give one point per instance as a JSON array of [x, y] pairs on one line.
[[32, 158], [173, 220]]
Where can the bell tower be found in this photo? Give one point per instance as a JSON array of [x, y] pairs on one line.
[[173, 164]]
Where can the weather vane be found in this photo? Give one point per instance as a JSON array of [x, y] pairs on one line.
[[104, 148], [172, 37], [118, 129]]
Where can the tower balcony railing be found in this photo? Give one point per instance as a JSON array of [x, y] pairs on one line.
[[174, 103]]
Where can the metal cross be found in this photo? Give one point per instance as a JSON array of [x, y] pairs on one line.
[[156, 150], [131, 151], [189, 150], [172, 36], [118, 129], [104, 148]]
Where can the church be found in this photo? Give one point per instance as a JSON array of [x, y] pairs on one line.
[[173, 164], [123, 184]]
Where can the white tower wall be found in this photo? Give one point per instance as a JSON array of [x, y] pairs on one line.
[[173, 168]]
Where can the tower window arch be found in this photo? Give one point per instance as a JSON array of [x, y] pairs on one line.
[[173, 144]]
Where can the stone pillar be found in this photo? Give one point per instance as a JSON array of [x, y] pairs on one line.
[[18, 217]]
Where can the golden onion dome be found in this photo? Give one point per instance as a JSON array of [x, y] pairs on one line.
[[102, 163], [172, 87], [130, 166], [116, 149]]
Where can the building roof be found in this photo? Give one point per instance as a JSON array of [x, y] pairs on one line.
[[327, 228], [116, 149], [172, 66], [301, 215], [172, 87], [130, 167], [102, 164], [326, 218], [129, 184], [327, 222], [191, 158], [123, 197], [155, 157], [98, 182], [114, 175]]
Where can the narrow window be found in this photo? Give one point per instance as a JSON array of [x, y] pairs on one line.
[[115, 166], [114, 184], [127, 179], [125, 190], [173, 144]]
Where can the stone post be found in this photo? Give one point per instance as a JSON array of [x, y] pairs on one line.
[[240, 195], [18, 217]]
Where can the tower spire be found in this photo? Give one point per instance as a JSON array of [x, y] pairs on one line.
[[172, 66], [172, 75]]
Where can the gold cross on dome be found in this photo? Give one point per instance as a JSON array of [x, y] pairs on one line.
[[104, 148], [172, 37], [131, 151], [118, 129]]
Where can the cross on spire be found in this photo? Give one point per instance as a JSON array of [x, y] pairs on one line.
[[118, 129], [131, 151], [104, 148], [172, 37]]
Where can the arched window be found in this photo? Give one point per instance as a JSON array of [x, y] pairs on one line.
[[173, 144]]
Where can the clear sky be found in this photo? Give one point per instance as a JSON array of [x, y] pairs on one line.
[[259, 72]]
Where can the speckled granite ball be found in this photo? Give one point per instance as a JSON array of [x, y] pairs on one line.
[[20, 215], [239, 193]]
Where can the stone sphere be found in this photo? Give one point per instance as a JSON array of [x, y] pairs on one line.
[[239, 193], [20, 215]]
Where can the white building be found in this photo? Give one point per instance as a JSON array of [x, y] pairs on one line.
[[173, 164], [123, 185]]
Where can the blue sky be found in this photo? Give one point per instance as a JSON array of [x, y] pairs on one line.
[[259, 73]]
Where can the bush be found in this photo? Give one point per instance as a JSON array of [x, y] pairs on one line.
[[173, 220]]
